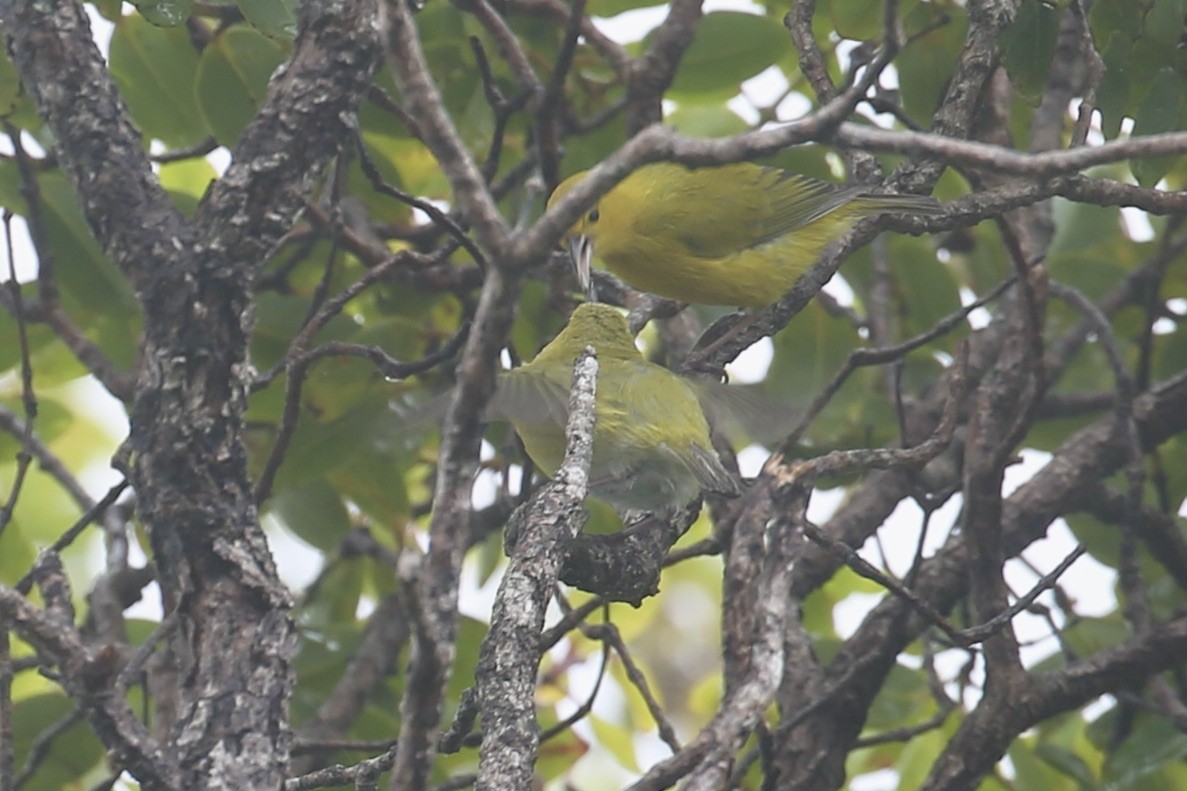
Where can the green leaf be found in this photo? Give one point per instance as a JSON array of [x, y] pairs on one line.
[[1089, 635], [1099, 539], [927, 62], [1159, 112], [1114, 16], [1068, 763], [858, 20], [38, 335], [1028, 45], [609, 8], [337, 600], [319, 447], [165, 13], [807, 354], [618, 740], [186, 181], [706, 120], [74, 753], [154, 68], [729, 47], [903, 699], [91, 285], [315, 513], [1112, 98], [1163, 24], [1138, 761], [273, 18], [558, 755], [1034, 773], [924, 287], [918, 757], [279, 318], [861, 20], [232, 79], [16, 551], [15, 106]]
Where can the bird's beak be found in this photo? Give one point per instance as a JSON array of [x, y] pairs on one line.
[[581, 249]]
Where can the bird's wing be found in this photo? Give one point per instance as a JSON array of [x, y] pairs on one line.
[[715, 212], [524, 396], [794, 201], [711, 474], [743, 414]]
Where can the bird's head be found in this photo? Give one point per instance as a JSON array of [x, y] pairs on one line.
[[581, 237]]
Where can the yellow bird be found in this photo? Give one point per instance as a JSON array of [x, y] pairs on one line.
[[736, 235], [651, 446]]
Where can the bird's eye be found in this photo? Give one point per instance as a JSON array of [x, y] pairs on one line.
[[595, 215]]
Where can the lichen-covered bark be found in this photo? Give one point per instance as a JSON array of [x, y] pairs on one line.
[[187, 456]]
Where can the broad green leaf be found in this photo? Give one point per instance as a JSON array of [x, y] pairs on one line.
[[74, 753], [319, 663], [609, 8], [1089, 249], [1113, 96], [1170, 355], [808, 353], [91, 285], [186, 181], [273, 18], [154, 68], [318, 447], [618, 740], [37, 336], [444, 33], [470, 635], [1089, 635], [925, 289], [728, 48], [1033, 772], [1172, 475], [902, 701], [1069, 764], [15, 107], [706, 120], [1163, 23], [927, 62], [279, 318], [314, 512], [109, 9], [374, 480], [1101, 540], [51, 421], [918, 756], [166, 13], [1114, 16], [17, 553], [334, 608], [557, 755], [1028, 45], [233, 74], [859, 20], [1159, 112], [386, 154]]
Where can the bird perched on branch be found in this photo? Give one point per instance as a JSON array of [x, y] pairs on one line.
[[735, 235], [651, 447]]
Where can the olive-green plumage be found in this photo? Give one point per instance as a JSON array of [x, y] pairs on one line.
[[739, 234], [651, 441]]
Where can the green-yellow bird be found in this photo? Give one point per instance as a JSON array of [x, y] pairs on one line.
[[736, 235], [651, 446]]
